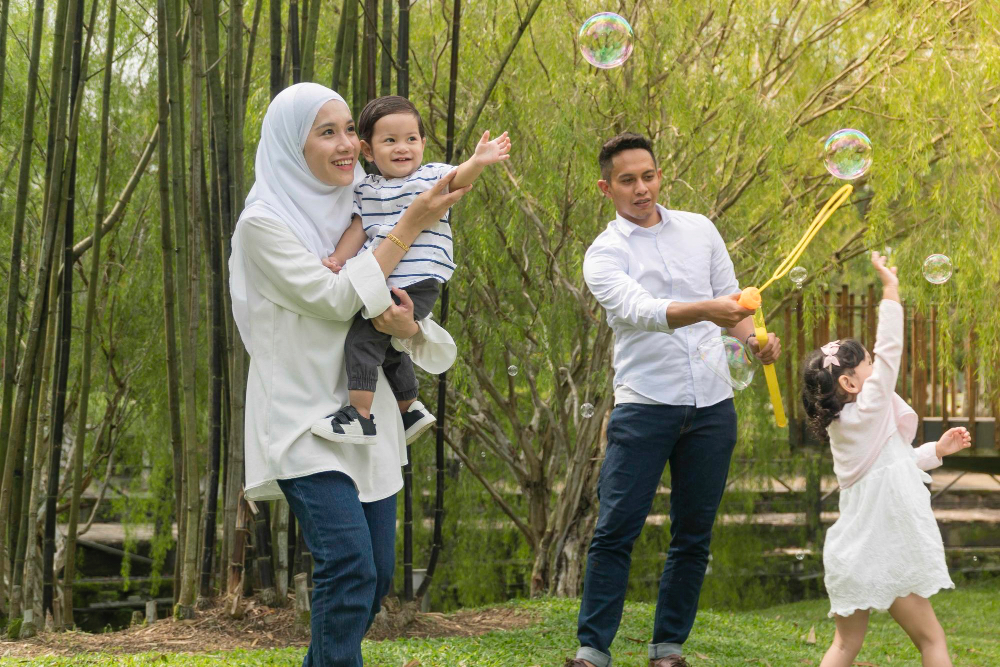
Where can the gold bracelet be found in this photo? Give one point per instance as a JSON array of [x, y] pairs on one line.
[[394, 239]]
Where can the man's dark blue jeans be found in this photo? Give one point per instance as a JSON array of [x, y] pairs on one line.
[[353, 546], [698, 444]]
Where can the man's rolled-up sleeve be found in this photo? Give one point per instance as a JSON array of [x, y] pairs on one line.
[[605, 270]]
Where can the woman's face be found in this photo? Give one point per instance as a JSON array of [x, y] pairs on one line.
[[332, 147]]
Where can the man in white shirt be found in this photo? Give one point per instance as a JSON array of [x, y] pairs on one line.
[[667, 284]]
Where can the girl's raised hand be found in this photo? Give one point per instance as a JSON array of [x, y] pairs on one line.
[[954, 440], [886, 274]]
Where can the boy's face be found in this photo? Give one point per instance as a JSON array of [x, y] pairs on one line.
[[633, 186], [397, 148]]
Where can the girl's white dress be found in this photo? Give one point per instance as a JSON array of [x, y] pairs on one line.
[[886, 543]]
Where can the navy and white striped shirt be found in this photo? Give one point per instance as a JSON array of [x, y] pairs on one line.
[[380, 201]]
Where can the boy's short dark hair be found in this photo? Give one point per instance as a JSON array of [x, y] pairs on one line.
[[381, 107], [622, 142]]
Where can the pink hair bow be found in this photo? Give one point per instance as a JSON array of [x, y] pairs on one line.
[[830, 350]]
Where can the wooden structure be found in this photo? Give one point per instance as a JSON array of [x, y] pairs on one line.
[[942, 397]]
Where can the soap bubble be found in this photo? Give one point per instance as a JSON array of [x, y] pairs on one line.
[[605, 40], [797, 276], [848, 154], [975, 559], [726, 357], [482, 454], [587, 410], [937, 269], [512, 370], [800, 556]]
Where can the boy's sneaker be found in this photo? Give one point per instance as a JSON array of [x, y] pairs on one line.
[[416, 420], [346, 425]]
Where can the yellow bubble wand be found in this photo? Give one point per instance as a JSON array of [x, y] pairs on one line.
[[750, 297]]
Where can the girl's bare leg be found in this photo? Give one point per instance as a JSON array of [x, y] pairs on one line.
[[847, 641], [916, 616]]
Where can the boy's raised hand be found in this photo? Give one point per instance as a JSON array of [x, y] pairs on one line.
[[489, 152], [885, 273], [954, 440]]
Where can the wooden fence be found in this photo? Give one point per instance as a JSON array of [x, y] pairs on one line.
[[942, 397]]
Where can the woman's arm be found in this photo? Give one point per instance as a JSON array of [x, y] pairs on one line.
[[421, 215], [292, 277]]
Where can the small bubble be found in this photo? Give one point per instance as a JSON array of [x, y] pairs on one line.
[[483, 454], [975, 559], [512, 370], [461, 465], [587, 410], [800, 556], [428, 478]]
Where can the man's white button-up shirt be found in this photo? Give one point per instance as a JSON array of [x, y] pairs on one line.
[[635, 273]]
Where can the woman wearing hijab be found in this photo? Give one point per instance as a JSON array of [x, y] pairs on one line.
[[293, 315]]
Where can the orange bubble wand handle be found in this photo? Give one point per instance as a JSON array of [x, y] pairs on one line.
[[751, 300]]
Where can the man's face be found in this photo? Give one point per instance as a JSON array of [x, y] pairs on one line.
[[633, 186]]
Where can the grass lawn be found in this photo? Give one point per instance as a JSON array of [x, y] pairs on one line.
[[776, 636]]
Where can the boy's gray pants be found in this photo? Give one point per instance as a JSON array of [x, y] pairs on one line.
[[367, 348]]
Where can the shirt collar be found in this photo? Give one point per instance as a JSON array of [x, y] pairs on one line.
[[626, 227]]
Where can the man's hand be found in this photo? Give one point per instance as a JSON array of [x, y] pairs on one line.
[[954, 440], [725, 311], [771, 351]]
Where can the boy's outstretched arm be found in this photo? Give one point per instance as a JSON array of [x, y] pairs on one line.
[[350, 243], [487, 153]]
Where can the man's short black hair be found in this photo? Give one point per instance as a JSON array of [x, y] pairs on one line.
[[381, 107], [615, 145]]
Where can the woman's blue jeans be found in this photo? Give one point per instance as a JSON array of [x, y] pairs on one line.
[[353, 547], [642, 439]]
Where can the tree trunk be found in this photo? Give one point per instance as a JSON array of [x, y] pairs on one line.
[[275, 48], [236, 54], [293, 40], [9, 451], [188, 246], [281, 512], [71, 56], [370, 49], [344, 59], [338, 48], [167, 273], [386, 51], [235, 352], [437, 543], [27, 497], [309, 40], [403, 50], [81, 427], [214, 239], [262, 552]]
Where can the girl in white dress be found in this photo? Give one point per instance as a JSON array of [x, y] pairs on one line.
[[885, 550]]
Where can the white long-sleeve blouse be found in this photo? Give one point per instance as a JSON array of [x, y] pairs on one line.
[[297, 374], [858, 435]]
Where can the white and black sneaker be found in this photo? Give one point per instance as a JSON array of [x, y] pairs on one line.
[[416, 420], [346, 425]]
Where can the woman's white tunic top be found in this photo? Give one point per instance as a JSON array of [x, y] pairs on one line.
[[299, 324]]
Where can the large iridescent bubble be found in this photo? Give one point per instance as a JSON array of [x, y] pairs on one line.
[[606, 40], [729, 359], [937, 269], [848, 154]]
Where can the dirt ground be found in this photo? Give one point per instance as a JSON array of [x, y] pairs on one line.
[[260, 627]]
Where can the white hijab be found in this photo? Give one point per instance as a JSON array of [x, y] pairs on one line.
[[285, 189]]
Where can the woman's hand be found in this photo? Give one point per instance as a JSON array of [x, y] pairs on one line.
[[397, 319], [954, 440], [431, 205]]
